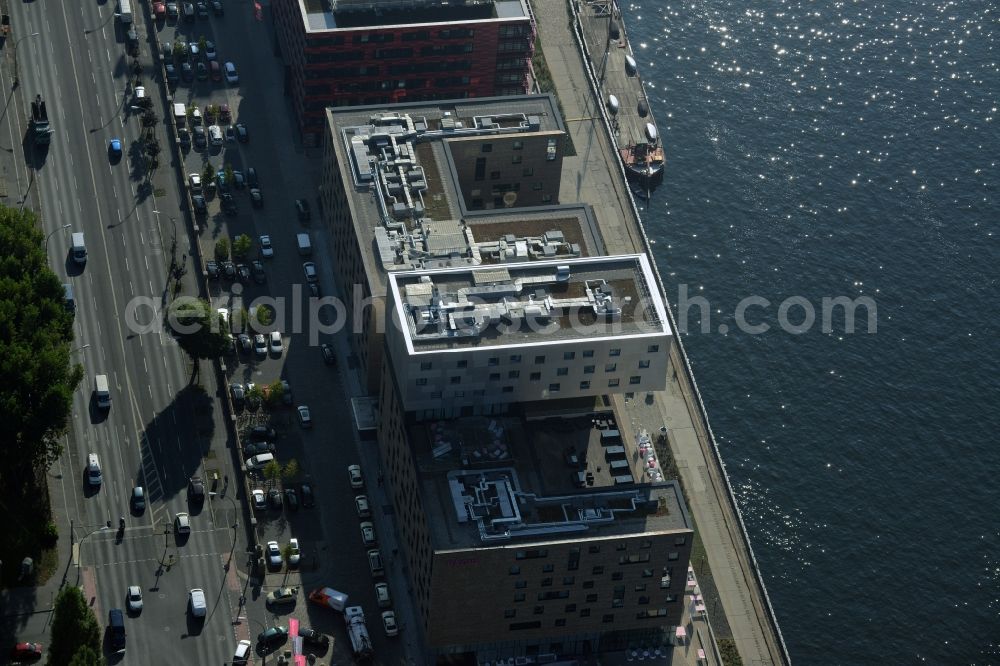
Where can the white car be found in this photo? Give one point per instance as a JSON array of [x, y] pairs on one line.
[[273, 554], [266, 249], [294, 555], [259, 502], [140, 92], [276, 346], [389, 623], [195, 181], [368, 534], [361, 503], [215, 135], [242, 654], [210, 52], [182, 523], [305, 419], [231, 75], [260, 344], [354, 473], [134, 599]]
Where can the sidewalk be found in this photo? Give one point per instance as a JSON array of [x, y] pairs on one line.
[[604, 189]]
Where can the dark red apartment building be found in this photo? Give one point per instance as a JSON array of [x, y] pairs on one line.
[[354, 52]]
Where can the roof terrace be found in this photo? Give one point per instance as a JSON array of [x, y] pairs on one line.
[[338, 14]]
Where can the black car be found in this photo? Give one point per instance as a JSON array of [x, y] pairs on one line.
[[186, 72], [328, 356], [172, 11], [291, 499], [196, 489], [229, 270], [313, 637], [202, 10], [171, 73], [244, 343], [252, 177], [217, 8], [202, 71], [212, 268], [230, 133], [274, 498], [238, 180], [183, 136], [272, 637], [242, 134], [200, 141], [256, 448], [243, 272], [256, 198], [259, 276], [239, 394], [138, 499], [263, 434], [200, 206], [306, 495], [302, 208], [228, 203]]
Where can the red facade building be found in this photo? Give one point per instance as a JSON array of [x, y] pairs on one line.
[[353, 52]]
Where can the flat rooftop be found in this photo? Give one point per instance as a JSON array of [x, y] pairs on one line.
[[524, 303], [497, 480], [323, 15], [403, 191]]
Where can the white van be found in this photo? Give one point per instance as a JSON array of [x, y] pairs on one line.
[[79, 248], [94, 476], [102, 391], [259, 461], [305, 245], [196, 602]]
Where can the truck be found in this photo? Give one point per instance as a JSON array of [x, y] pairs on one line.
[[180, 114], [125, 11], [361, 642], [329, 597], [40, 126]]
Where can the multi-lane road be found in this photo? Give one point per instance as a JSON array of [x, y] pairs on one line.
[[154, 432]]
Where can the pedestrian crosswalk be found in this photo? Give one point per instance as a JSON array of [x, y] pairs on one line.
[[165, 569]]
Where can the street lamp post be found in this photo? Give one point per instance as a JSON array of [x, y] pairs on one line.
[[51, 233], [79, 545], [34, 34]]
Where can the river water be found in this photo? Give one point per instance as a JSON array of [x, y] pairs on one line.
[[843, 149]]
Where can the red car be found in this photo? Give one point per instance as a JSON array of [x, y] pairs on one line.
[[159, 10], [26, 651], [225, 115]]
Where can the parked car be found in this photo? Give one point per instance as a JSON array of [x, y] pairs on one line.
[[228, 203], [182, 523], [276, 346], [274, 498], [355, 476], [309, 270], [273, 554], [252, 177], [256, 198], [172, 75], [382, 595], [263, 433], [242, 133], [259, 501], [305, 418], [361, 504], [229, 270], [294, 554], [260, 344], [389, 623], [196, 490], [302, 210], [244, 343], [272, 637], [242, 654], [243, 272], [253, 448], [282, 596], [307, 495], [291, 499], [200, 139], [375, 563], [26, 652], [313, 637], [210, 53], [231, 74], [266, 249], [368, 537], [239, 395]]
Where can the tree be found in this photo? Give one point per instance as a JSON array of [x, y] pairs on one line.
[[291, 470], [264, 314], [152, 146], [242, 245], [86, 657], [222, 249], [272, 471], [207, 174], [255, 395], [286, 552], [228, 174], [36, 333], [196, 326], [201, 43], [149, 118], [74, 628], [275, 392]]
